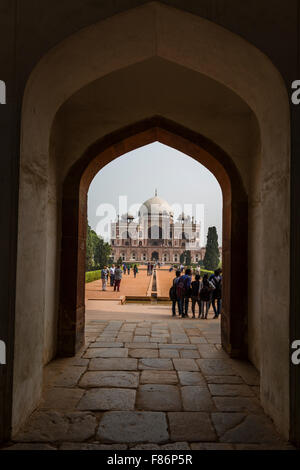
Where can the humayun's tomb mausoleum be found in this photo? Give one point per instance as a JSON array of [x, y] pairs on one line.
[[155, 235]]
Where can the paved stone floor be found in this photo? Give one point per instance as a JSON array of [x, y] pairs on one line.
[[149, 382]]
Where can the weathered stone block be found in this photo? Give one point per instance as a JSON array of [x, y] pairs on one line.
[[133, 427], [158, 397], [110, 379], [191, 426], [108, 399]]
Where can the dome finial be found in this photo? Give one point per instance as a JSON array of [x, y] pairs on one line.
[[155, 192]]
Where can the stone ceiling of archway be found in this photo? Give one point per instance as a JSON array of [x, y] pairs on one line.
[[155, 87]]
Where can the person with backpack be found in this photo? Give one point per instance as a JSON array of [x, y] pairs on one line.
[[206, 290], [183, 287], [118, 278], [216, 280], [195, 294], [173, 294]]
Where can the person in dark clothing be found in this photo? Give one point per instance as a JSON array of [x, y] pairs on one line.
[[183, 288], [216, 280], [207, 288], [173, 295], [135, 270], [195, 294], [118, 278]]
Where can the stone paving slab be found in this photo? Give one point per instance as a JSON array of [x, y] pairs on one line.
[[168, 353], [253, 429], [189, 354], [128, 363], [158, 377], [61, 398], [139, 345], [52, 426], [191, 426], [102, 344], [215, 367], [185, 364], [238, 404], [230, 390], [224, 379], [158, 397], [106, 352], [197, 398], [209, 351], [133, 427], [198, 340], [141, 339], [103, 399], [191, 378], [224, 422], [159, 364], [110, 379], [69, 376], [143, 353]]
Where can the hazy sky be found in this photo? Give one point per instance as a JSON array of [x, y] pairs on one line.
[[179, 179]]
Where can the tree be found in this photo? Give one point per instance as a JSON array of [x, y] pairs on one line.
[[91, 242], [212, 254], [102, 252], [185, 258], [97, 250]]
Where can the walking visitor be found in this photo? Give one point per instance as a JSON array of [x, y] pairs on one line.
[[173, 294], [118, 278], [112, 275], [195, 294], [205, 296], [216, 280], [104, 277], [135, 270], [183, 287]]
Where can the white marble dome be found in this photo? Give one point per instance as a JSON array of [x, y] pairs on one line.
[[156, 206]]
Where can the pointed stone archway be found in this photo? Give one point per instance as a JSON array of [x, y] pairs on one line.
[[235, 227], [254, 138]]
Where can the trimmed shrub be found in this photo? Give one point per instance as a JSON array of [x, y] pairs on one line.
[[91, 276]]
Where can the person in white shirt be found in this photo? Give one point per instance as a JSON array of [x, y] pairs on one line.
[[112, 275]]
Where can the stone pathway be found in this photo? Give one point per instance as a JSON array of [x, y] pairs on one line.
[[150, 385], [129, 286], [164, 281]]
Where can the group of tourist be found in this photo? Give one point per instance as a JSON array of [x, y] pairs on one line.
[[115, 273], [127, 268], [203, 292]]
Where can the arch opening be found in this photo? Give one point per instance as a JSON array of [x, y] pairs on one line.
[[235, 227]]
